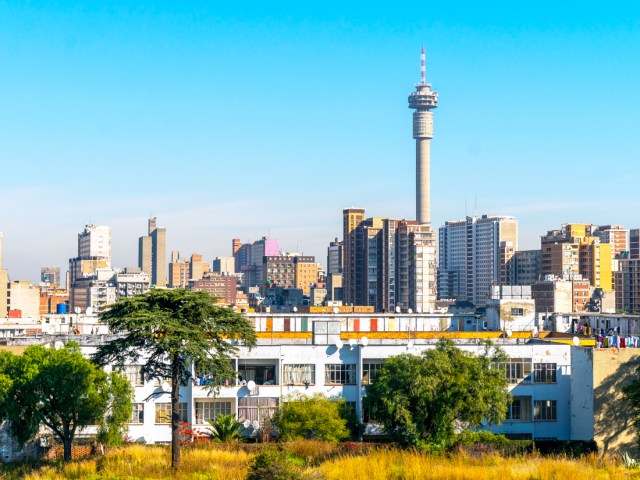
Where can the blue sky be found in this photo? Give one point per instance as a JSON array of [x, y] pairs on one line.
[[248, 119]]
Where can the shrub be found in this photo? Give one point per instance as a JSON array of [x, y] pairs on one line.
[[272, 464], [482, 443], [315, 417], [570, 448]]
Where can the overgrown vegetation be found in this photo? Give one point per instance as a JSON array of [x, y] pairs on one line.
[[60, 389], [421, 399], [313, 417], [320, 461]]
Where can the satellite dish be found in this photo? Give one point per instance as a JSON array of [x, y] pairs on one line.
[[336, 310], [353, 343], [251, 385], [398, 309], [77, 310], [364, 341], [89, 311], [509, 332], [576, 341], [243, 383], [419, 309], [409, 311], [165, 386], [58, 345], [339, 344], [246, 423], [255, 424]]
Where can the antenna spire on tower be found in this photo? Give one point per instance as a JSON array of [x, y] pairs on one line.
[[423, 68]]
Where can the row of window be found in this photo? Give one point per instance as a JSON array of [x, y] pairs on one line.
[[252, 409], [516, 370], [543, 410]]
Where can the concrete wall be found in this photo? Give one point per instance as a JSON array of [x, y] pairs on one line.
[[613, 423]]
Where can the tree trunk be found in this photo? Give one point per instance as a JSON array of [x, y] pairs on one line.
[[175, 414], [66, 442]]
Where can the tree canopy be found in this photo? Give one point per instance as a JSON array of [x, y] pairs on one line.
[[315, 417], [168, 331], [420, 400], [62, 390]]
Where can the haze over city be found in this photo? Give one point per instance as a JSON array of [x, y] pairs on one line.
[[240, 122]]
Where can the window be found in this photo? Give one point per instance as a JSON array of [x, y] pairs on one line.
[[209, 409], [163, 412], [517, 312], [256, 409], [340, 374], [133, 374], [369, 370], [544, 372], [518, 370], [519, 409], [299, 374], [137, 415], [261, 374], [544, 410]]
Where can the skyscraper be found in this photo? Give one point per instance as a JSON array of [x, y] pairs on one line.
[[472, 256], [94, 252], [422, 101], [152, 253]]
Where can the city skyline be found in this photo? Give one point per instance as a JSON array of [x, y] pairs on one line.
[[105, 122]]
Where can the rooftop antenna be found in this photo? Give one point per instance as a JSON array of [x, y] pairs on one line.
[[423, 68]]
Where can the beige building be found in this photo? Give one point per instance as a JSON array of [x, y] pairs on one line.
[[152, 253], [24, 297], [306, 273]]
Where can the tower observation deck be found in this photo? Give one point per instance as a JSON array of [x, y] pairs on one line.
[[422, 101]]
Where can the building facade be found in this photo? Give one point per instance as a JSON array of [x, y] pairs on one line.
[[472, 256]]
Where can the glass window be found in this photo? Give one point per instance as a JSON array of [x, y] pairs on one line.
[[137, 415], [299, 374], [517, 370], [340, 374], [261, 374], [256, 409], [519, 409], [163, 412], [133, 374], [545, 372], [370, 369], [209, 409], [544, 410]]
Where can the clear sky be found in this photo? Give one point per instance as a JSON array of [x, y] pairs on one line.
[[245, 119]]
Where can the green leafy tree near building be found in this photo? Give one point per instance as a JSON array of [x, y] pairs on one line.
[[315, 417], [62, 390], [421, 400], [168, 331]]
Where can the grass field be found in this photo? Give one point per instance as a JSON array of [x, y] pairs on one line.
[[320, 461]]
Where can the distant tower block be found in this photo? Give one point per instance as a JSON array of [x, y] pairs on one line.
[[422, 101]]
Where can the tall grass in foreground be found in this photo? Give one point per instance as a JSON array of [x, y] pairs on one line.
[[403, 465], [330, 462], [142, 462]]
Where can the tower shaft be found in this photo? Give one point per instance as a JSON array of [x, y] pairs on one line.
[[423, 180]]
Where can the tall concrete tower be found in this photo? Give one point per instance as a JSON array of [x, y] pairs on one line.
[[422, 101]]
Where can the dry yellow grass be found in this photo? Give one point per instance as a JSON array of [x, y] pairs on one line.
[[401, 465], [139, 462]]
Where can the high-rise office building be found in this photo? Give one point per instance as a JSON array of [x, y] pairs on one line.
[[94, 252], [4, 286], [249, 259], [573, 253], [472, 256], [334, 257], [634, 243], [152, 253]]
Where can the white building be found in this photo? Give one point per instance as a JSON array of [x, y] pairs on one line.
[[470, 259], [94, 241]]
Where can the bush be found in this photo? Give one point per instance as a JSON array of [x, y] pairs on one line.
[[272, 464], [570, 448], [481, 443], [310, 418]]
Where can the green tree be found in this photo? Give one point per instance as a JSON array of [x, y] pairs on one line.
[[314, 417], [166, 331], [421, 399], [60, 389], [225, 428]]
